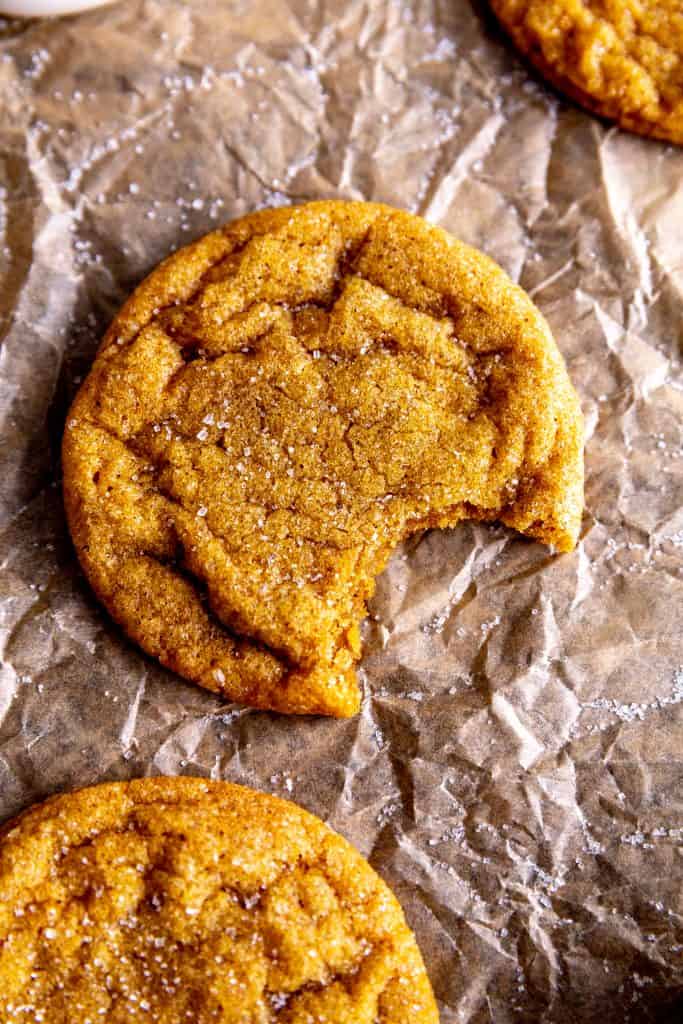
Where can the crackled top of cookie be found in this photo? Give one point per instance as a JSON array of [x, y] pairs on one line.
[[279, 405], [621, 58], [176, 900]]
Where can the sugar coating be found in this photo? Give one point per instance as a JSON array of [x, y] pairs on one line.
[[173, 900], [281, 403], [621, 58]]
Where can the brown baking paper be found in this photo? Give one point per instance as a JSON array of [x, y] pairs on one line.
[[515, 773]]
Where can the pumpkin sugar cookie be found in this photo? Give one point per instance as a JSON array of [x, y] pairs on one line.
[[622, 59], [281, 403], [179, 899]]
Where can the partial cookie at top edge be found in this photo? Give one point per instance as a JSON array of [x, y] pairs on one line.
[[623, 66]]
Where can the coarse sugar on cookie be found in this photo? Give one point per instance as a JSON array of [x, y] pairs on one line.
[[623, 59], [180, 899], [276, 408]]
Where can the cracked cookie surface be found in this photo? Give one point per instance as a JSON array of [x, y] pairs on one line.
[[179, 899], [281, 403], [622, 59]]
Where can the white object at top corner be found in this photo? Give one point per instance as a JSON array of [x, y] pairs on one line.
[[47, 8]]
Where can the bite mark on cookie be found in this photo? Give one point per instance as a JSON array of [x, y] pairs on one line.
[[252, 442]]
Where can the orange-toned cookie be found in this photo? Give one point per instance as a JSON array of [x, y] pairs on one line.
[[275, 408], [622, 59], [178, 899]]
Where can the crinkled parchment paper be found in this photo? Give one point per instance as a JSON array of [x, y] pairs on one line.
[[516, 771]]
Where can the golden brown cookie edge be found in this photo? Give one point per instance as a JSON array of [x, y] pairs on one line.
[[568, 89], [83, 803]]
